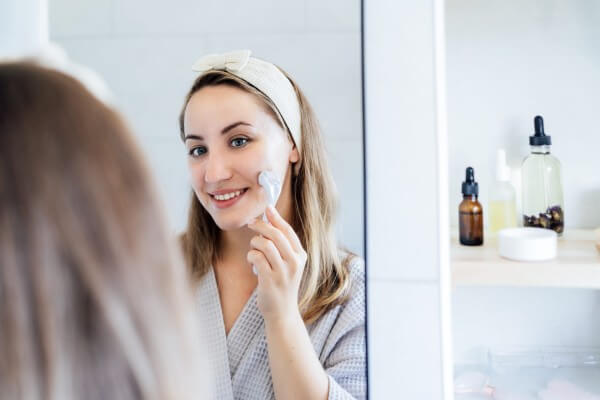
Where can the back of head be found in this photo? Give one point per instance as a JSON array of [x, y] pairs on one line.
[[93, 299]]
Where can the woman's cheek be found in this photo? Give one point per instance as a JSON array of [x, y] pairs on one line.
[[275, 159], [254, 163], [196, 175]]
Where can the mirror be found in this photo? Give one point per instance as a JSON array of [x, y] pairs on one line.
[[144, 52]]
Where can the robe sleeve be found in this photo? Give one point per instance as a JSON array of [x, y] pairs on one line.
[[346, 363]]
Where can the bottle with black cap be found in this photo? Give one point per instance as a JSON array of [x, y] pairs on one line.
[[470, 212], [542, 201]]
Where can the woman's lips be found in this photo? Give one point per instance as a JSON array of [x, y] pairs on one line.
[[229, 202]]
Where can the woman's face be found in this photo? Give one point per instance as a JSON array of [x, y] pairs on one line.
[[230, 138]]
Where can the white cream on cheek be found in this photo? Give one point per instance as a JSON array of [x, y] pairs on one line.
[[277, 146]]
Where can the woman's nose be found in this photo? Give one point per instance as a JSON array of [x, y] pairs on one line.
[[217, 169]]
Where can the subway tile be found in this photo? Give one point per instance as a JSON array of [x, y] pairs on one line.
[[210, 16], [401, 153], [167, 160], [148, 76], [404, 340], [69, 18], [345, 157], [538, 317], [333, 15], [402, 209]]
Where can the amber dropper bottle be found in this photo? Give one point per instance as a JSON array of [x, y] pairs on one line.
[[470, 212]]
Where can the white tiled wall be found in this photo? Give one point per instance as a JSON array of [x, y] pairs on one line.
[[23, 27], [405, 287], [405, 347], [504, 318], [144, 50], [400, 124]]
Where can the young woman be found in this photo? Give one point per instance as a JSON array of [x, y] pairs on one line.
[[295, 329], [94, 302]]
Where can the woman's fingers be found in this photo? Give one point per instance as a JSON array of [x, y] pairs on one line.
[[258, 259], [280, 240], [277, 221], [268, 249], [279, 244]]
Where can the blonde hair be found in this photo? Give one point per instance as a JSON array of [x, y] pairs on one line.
[[326, 280], [94, 298]]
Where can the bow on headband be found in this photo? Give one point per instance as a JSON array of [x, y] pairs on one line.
[[233, 61]]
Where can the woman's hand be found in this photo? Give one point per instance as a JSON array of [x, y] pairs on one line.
[[279, 259]]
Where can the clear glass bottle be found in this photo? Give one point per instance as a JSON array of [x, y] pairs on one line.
[[543, 204], [502, 206]]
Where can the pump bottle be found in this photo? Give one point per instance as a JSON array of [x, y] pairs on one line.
[[502, 206]]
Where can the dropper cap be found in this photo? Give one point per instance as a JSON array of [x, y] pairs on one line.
[[539, 138], [469, 186]]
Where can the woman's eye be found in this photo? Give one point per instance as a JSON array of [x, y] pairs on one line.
[[197, 151], [239, 142]]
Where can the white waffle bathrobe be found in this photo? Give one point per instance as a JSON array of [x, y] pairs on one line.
[[239, 362]]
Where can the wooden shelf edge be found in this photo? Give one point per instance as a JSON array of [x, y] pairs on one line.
[[577, 266], [527, 275]]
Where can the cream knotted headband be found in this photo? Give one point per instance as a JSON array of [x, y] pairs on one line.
[[264, 76]]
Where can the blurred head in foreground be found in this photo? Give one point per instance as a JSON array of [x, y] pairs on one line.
[[94, 299]]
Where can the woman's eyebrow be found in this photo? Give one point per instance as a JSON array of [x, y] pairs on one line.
[[224, 131], [195, 137], [230, 127]]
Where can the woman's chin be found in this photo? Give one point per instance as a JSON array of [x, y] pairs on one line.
[[233, 225], [233, 220]]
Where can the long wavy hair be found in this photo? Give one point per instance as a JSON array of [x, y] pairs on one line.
[[95, 302], [326, 279]]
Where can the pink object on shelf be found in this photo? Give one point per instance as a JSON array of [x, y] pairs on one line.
[[563, 389]]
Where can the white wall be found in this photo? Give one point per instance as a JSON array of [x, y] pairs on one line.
[[406, 238], [23, 27], [144, 50], [507, 61], [504, 318]]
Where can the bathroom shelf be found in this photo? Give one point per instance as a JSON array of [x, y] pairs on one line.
[[552, 383], [576, 266]]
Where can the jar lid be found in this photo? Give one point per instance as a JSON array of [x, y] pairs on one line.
[[527, 244]]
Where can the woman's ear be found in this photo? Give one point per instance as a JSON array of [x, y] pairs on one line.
[[295, 160], [294, 155]]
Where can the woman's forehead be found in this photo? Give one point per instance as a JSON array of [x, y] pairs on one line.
[[215, 107]]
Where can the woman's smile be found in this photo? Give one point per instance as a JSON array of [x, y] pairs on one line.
[[227, 197]]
